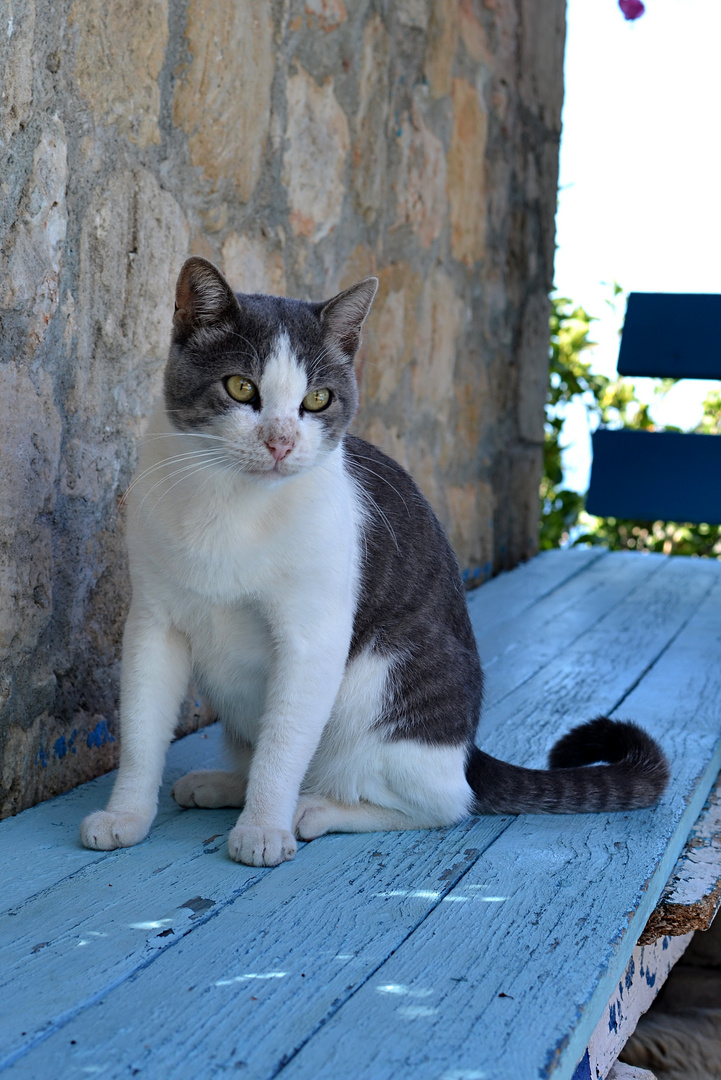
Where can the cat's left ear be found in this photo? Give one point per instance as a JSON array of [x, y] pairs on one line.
[[344, 315]]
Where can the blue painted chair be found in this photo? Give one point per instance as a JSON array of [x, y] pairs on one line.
[[662, 475]]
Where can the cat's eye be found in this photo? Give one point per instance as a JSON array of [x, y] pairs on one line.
[[241, 389], [316, 400]]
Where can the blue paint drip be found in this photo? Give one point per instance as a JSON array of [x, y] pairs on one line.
[[41, 758], [650, 979], [99, 736], [612, 1022], [60, 748], [665, 943], [583, 1069], [630, 972], [71, 741]]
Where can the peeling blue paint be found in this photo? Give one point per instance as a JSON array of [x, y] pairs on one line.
[[630, 972], [620, 991], [63, 746], [99, 736], [583, 1069], [612, 1022], [650, 978]]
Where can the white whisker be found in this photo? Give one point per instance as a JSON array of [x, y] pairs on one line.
[[180, 435], [187, 469], [379, 477], [166, 462]]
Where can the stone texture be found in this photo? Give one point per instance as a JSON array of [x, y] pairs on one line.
[[314, 163], [300, 145], [327, 14], [441, 46], [370, 153], [251, 265], [466, 174], [29, 460], [421, 181], [32, 258], [16, 63], [120, 52], [222, 100]]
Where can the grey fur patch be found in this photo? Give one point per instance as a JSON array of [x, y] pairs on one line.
[[412, 605]]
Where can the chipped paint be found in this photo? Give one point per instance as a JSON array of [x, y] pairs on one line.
[[693, 894], [646, 972], [100, 735]]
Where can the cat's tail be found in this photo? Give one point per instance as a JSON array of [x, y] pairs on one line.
[[635, 776]]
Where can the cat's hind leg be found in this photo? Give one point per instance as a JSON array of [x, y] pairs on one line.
[[316, 816], [211, 789]]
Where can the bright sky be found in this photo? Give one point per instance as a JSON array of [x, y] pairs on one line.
[[640, 180]]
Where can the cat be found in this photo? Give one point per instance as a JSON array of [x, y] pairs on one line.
[[301, 576]]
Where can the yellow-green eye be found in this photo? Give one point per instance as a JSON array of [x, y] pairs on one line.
[[241, 389], [316, 400]]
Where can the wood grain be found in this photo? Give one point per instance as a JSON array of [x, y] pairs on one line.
[[488, 950]]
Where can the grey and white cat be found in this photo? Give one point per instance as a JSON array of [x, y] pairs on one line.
[[301, 576]]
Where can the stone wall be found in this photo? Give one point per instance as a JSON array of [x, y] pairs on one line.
[[299, 144]]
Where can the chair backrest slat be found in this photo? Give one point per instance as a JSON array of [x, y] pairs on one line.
[[656, 476], [672, 335]]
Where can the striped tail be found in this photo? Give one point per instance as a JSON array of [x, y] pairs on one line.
[[635, 776]]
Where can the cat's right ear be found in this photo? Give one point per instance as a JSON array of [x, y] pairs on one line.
[[202, 295]]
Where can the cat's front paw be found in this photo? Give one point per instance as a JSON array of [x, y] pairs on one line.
[[105, 831], [257, 845]]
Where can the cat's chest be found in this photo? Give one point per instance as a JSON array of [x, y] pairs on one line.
[[223, 557], [230, 550]]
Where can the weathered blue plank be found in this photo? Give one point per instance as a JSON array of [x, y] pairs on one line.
[[514, 651], [511, 978], [50, 830], [296, 945], [349, 970], [596, 672], [507, 596], [645, 974]]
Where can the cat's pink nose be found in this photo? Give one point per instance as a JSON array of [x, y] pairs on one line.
[[279, 449]]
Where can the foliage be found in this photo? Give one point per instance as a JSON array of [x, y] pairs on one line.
[[612, 402]]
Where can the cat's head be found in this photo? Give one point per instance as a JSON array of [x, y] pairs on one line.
[[273, 378]]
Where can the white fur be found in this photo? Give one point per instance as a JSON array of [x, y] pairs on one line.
[[247, 571]]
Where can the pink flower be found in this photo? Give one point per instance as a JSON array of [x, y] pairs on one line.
[[632, 9]]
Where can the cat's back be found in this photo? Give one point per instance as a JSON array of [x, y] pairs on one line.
[[412, 599]]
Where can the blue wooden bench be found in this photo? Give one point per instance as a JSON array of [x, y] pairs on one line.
[[501, 949], [662, 475]]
